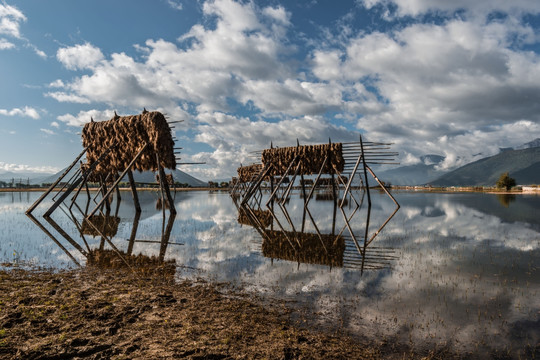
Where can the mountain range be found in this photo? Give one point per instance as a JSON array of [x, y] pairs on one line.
[[522, 162], [522, 165], [142, 177]]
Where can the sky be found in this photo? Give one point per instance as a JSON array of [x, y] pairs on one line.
[[458, 78]]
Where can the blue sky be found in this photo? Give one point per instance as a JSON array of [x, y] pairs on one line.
[[454, 78]]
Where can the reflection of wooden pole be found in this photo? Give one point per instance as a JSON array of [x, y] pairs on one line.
[[134, 192], [106, 193], [89, 197], [165, 237], [52, 238], [118, 200], [167, 190], [369, 204], [134, 232], [162, 181], [66, 235]]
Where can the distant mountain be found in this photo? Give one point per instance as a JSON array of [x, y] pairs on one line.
[[414, 174], [530, 144], [523, 165], [143, 177], [178, 176], [18, 176]]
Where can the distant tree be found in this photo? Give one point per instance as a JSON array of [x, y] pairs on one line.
[[224, 184], [506, 182], [212, 184]]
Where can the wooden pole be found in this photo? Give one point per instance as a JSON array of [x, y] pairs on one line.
[[51, 188], [119, 178], [134, 192], [133, 232]]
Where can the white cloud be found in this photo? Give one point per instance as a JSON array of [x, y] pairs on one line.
[[26, 111], [55, 124], [65, 97], [454, 80], [47, 131], [10, 24], [10, 20], [176, 5], [84, 116], [78, 57], [208, 72], [452, 88], [58, 83], [481, 7], [234, 138], [4, 44], [27, 168], [38, 52], [278, 13]]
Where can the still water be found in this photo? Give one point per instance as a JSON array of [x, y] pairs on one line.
[[449, 270]]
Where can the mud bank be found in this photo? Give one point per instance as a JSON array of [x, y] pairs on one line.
[[95, 314]]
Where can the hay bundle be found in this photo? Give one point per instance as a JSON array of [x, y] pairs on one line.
[[107, 225], [129, 133], [264, 217], [276, 246], [311, 156], [146, 265], [249, 173]]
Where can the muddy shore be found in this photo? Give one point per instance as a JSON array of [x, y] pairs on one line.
[[113, 314]]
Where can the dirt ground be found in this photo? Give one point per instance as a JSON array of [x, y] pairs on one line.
[[113, 314]]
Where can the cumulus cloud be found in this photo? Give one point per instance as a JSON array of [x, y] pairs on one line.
[[28, 168], [78, 57], [62, 96], [176, 5], [10, 20], [235, 138], [84, 116], [58, 83], [26, 112], [4, 44], [438, 84], [47, 131], [483, 7], [452, 88]]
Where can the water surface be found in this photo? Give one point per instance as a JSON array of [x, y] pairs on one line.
[[457, 270]]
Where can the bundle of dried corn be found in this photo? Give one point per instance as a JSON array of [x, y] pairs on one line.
[[169, 178], [109, 259], [107, 225], [276, 245], [97, 177], [311, 157], [249, 173], [264, 216], [129, 134]]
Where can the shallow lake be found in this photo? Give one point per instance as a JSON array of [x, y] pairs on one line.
[[457, 270]]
